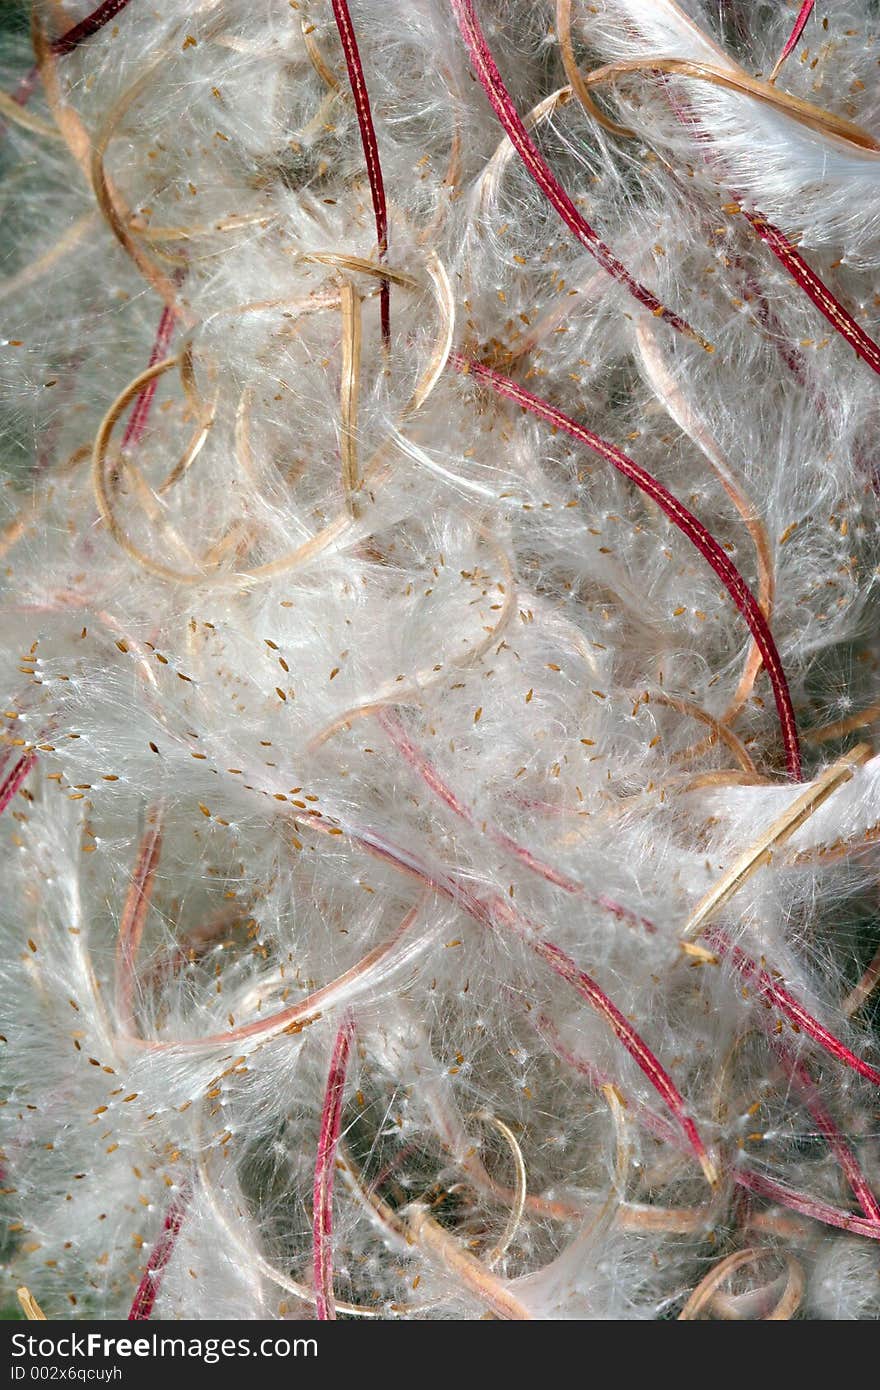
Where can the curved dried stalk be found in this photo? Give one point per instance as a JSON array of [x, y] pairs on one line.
[[90, 160], [502, 1245], [349, 387], [414, 1224], [204, 415], [316, 57], [29, 1305], [718, 727], [362, 264], [781, 1308], [18, 115], [103, 494], [377, 469], [705, 1291], [862, 991], [573, 72], [296, 1017], [505, 149], [761, 850], [464, 1267], [119, 217], [804, 112], [450, 180], [36, 268], [677, 1220], [860, 720]]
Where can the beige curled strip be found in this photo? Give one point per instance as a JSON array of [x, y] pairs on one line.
[[499, 1250], [90, 158], [804, 112], [707, 1288], [864, 988], [573, 72], [860, 720], [19, 115], [352, 335], [374, 473], [29, 1305], [463, 1266], [761, 851]]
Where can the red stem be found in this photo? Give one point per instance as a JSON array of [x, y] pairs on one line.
[[14, 779], [325, 1168], [486, 69], [495, 913], [137, 421], [370, 144], [799, 1074], [799, 25], [686, 522], [806, 1205], [771, 990], [815, 289], [642, 1055], [134, 916], [66, 43], [151, 1279], [426, 770], [87, 27]]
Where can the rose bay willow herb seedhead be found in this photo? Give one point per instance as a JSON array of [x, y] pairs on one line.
[[439, 659]]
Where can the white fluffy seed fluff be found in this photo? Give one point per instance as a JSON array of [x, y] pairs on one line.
[[439, 861]]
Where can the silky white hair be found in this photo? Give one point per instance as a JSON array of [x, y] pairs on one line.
[[377, 757]]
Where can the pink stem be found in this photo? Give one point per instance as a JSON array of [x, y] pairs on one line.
[[134, 916], [370, 145], [496, 913], [426, 770], [815, 289], [806, 1205], [745, 1179], [296, 1016], [88, 26], [486, 69], [67, 43], [14, 779], [151, 1279], [137, 421], [800, 25], [325, 1167], [799, 1074], [792, 262], [771, 990], [686, 522], [642, 1055], [596, 1079]]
